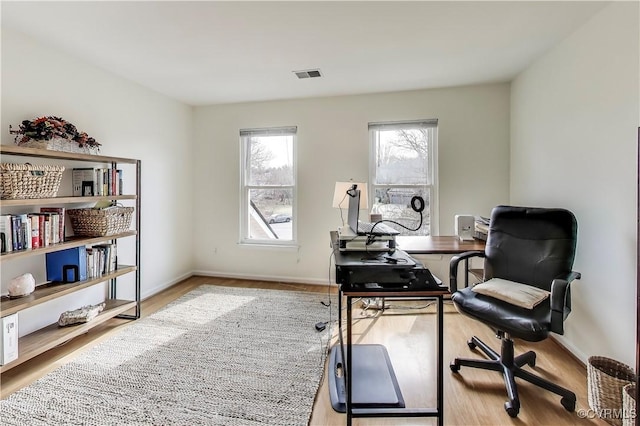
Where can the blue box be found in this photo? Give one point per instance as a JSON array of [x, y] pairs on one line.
[[68, 259]]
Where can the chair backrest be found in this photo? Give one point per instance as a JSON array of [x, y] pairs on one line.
[[530, 245]]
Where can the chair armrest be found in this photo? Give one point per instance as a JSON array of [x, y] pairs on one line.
[[453, 267], [561, 301]]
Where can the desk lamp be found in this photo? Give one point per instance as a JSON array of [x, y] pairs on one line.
[[340, 195]]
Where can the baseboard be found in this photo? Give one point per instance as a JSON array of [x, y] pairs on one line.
[[157, 289], [571, 350], [275, 278]]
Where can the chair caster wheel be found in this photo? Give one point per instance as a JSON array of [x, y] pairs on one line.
[[568, 403], [511, 409], [471, 344], [532, 362], [454, 366]]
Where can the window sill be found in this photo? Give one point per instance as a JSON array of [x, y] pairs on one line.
[[268, 246]]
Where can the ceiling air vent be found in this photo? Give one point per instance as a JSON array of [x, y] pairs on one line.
[[308, 73]]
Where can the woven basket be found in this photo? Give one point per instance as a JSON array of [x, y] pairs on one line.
[[20, 181], [100, 222], [605, 379], [629, 405], [59, 144]]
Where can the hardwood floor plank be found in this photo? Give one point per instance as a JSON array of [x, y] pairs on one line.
[[472, 397]]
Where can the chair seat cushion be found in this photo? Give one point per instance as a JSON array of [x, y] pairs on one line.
[[522, 295], [532, 325]]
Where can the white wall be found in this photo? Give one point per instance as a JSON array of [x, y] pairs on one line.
[[333, 145], [574, 124], [129, 121]]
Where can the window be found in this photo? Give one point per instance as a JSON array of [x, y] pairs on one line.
[[268, 186], [403, 165]]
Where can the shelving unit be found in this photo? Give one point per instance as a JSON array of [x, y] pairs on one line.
[[52, 335]]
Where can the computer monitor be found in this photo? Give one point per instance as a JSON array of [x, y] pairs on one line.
[[354, 209], [364, 228]]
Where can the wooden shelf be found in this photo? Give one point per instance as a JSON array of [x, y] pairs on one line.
[[53, 335], [71, 242], [45, 153], [44, 339], [45, 292], [65, 200]]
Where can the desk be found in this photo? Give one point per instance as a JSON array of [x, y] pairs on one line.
[[344, 264], [440, 245], [437, 245]]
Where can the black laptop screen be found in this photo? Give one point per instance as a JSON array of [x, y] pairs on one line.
[[354, 209]]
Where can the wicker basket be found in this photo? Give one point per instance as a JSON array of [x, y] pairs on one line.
[[605, 379], [100, 222], [20, 181], [59, 144], [629, 405]]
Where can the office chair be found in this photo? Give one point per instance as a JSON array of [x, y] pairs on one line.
[[529, 251]]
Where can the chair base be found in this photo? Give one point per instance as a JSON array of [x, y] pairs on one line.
[[511, 367]]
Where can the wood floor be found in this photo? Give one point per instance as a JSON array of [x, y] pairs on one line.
[[407, 329]]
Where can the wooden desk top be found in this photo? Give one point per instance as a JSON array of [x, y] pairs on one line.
[[437, 245]]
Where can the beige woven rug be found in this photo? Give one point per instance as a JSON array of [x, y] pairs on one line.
[[216, 356]]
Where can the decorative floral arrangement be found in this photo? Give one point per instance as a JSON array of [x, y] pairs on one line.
[[47, 128]]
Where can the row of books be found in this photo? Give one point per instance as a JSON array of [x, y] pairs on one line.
[[32, 230], [81, 263], [89, 181], [101, 259]]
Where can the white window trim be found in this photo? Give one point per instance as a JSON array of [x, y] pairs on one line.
[[244, 190], [434, 224]]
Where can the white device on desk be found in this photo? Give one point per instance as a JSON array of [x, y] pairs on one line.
[[465, 226]]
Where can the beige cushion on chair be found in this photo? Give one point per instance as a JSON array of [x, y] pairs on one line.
[[522, 295]]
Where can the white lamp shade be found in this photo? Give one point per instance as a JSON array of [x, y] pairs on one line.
[[340, 199]]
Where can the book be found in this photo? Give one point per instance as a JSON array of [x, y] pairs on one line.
[[60, 221], [5, 228], [16, 227], [99, 182], [83, 181], [41, 228], [109, 256], [46, 237], [119, 182], [35, 230], [25, 230]]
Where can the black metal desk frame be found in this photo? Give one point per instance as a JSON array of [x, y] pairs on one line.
[[391, 412], [349, 294]]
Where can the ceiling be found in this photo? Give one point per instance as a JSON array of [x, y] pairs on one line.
[[207, 52]]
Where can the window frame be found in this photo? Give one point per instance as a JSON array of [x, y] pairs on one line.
[[432, 157], [245, 187]]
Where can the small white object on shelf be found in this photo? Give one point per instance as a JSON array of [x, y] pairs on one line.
[[22, 285], [9, 341], [81, 315]]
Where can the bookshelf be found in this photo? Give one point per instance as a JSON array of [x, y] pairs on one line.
[[49, 336]]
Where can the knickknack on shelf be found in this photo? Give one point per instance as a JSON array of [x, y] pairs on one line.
[[55, 134]]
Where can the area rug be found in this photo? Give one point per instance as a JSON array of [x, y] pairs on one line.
[[216, 356]]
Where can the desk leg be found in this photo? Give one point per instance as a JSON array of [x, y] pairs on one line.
[[466, 272], [348, 364], [440, 361]]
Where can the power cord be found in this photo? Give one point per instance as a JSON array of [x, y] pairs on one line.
[[417, 205]]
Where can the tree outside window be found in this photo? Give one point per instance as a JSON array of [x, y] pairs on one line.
[[403, 166], [268, 185]]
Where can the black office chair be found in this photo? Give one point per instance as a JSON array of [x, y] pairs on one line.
[[532, 246]]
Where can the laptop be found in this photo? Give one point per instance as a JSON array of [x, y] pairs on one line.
[[364, 228]]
